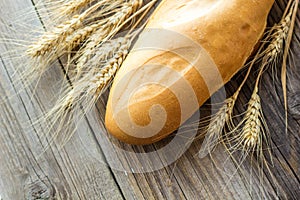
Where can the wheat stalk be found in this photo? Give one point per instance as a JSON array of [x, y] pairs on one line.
[[52, 40], [213, 133], [102, 34], [254, 124], [248, 136], [251, 133], [86, 91], [272, 51]]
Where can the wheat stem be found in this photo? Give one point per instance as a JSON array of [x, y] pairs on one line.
[[293, 10]]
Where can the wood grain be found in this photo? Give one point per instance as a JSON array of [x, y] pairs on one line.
[[28, 172], [87, 168]]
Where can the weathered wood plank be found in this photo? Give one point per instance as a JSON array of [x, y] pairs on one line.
[[140, 184], [29, 171], [259, 189], [80, 171]]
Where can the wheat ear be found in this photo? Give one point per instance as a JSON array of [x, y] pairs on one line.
[[224, 116], [107, 73], [52, 40], [85, 91], [213, 133], [112, 24], [280, 43], [249, 134], [62, 10], [254, 122], [81, 35], [103, 52], [253, 128], [277, 39]]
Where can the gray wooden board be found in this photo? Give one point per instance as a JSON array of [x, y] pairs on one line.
[[86, 168]]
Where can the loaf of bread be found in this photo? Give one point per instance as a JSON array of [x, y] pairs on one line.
[[189, 49]]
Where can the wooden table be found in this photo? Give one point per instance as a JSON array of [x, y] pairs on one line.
[[83, 168]]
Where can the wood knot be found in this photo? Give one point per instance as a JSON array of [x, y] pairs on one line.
[[38, 190]]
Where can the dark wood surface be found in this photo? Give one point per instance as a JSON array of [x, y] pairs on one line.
[[86, 168]]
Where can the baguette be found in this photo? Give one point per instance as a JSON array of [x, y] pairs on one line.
[[200, 46]]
